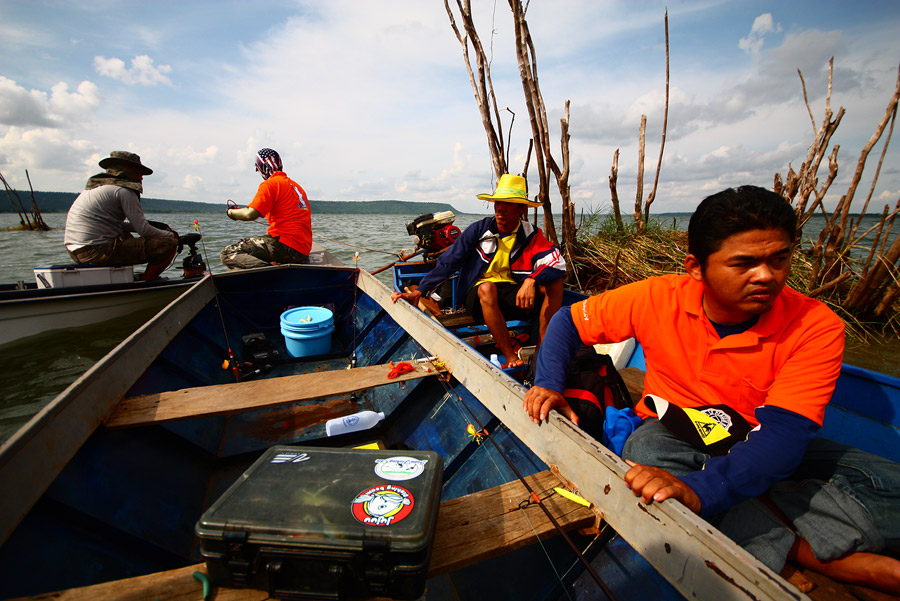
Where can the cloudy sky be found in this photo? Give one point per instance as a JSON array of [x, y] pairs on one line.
[[371, 100]]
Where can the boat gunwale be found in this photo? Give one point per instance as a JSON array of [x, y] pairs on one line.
[[681, 546], [686, 550], [44, 442]]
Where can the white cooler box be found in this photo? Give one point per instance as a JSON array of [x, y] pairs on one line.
[[67, 276]]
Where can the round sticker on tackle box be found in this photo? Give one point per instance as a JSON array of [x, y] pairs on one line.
[[400, 468], [383, 505]]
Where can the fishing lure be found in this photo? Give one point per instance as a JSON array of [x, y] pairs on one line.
[[572, 496], [475, 435]]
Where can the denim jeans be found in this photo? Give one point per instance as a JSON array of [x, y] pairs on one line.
[[839, 499]]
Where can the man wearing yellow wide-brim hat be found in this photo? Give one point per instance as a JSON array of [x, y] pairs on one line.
[[507, 268]]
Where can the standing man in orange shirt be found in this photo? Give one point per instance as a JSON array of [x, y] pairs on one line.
[[285, 206], [740, 368]]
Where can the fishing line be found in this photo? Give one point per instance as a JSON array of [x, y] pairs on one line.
[[374, 250], [532, 495], [453, 395], [532, 498], [232, 359]]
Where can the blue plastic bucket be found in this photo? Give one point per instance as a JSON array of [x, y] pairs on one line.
[[307, 330]]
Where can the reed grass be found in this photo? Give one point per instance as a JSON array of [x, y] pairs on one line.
[[607, 255]]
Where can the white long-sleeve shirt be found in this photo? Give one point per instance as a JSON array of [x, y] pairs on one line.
[[101, 214]]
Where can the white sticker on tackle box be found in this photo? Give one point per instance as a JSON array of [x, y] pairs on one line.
[[400, 468], [289, 457]]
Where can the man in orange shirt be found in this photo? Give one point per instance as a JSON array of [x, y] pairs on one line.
[[285, 206], [730, 347]]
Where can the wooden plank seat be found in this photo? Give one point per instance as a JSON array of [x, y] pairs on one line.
[[255, 394], [469, 529], [456, 320]]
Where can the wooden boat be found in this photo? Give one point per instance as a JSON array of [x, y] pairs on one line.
[[103, 487], [27, 310], [75, 296]]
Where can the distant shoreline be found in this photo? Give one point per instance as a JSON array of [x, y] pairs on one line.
[[59, 202]]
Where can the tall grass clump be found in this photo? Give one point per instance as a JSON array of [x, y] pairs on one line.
[[607, 256]]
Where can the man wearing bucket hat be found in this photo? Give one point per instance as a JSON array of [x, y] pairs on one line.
[[740, 369], [285, 206], [101, 220], [507, 268]]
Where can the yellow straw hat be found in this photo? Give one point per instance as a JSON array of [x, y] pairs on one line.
[[511, 188]]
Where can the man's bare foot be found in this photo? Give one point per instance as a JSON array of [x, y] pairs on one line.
[[516, 362]]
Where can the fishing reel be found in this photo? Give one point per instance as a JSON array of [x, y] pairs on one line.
[[260, 356], [193, 264], [434, 232]]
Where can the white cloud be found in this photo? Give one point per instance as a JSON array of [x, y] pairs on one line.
[[191, 182], [21, 107], [762, 26], [45, 152], [191, 156], [142, 71], [75, 106], [366, 102]]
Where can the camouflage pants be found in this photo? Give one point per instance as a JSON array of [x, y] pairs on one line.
[[260, 251], [127, 250]]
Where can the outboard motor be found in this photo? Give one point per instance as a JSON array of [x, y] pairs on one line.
[[192, 264], [433, 232]]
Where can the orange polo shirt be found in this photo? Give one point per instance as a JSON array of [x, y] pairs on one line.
[[283, 203], [790, 359]]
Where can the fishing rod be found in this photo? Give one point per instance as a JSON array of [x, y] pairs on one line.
[[533, 496], [232, 360]]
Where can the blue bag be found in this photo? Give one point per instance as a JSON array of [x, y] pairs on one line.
[[618, 426]]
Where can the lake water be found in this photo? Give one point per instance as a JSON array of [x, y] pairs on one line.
[[384, 235], [34, 371]]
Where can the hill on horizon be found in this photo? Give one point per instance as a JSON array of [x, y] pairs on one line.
[[59, 202]]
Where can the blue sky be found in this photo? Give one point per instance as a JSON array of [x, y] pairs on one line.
[[371, 100]]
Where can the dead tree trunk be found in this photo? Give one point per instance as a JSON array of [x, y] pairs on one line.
[[662, 144], [641, 208], [17, 204], [614, 193], [482, 85], [540, 129], [39, 222], [639, 193]]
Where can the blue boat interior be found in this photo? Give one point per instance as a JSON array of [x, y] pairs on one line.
[[127, 503]]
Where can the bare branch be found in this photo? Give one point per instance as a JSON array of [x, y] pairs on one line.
[[806, 100], [481, 85], [863, 156], [887, 141], [662, 145], [613, 192], [640, 174]]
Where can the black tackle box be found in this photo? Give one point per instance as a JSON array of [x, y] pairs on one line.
[[326, 523]]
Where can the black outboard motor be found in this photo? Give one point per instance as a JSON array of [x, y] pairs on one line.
[[192, 264]]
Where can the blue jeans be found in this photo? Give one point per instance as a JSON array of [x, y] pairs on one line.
[[839, 499]]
